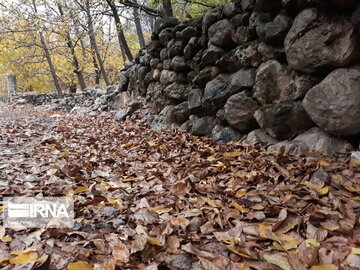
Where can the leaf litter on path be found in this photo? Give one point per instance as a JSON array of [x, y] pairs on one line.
[[148, 199]]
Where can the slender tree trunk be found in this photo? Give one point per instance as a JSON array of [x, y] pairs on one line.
[[121, 36], [48, 58], [75, 61], [167, 7], [51, 65], [94, 44], [139, 30]]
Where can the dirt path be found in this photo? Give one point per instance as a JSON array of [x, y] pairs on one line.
[[146, 199]]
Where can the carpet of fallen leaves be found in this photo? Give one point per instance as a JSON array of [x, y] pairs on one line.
[[152, 200]]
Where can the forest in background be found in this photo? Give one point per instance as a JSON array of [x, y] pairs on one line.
[[61, 45]]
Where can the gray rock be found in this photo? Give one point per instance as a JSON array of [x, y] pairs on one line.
[[259, 135], [178, 63], [188, 33], [203, 126], [163, 120], [313, 140], [156, 74], [192, 48], [232, 9], [164, 54], [209, 18], [121, 115], [268, 52], [243, 56], [268, 6], [316, 42], [207, 74], [274, 32], [244, 78], [283, 120], [165, 36], [167, 64], [242, 34], [168, 77], [154, 62], [239, 112], [247, 5], [165, 23], [259, 17], [177, 48], [220, 34], [211, 55], [223, 135], [275, 81], [215, 93], [334, 104], [181, 112], [176, 91], [145, 60], [194, 99]]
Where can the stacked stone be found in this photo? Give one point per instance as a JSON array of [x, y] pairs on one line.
[[280, 66]]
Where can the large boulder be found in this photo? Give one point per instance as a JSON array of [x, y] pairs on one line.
[[215, 93], [244, 78], [203, 126], [178, 63], [246, 55], [313, 140], [211, 55], [194, 99], [334, 104], [192, 47], [220, 34], [176, 91], [259, 135], [164, 119], [275, 81], [317, 42], [223, 135], [180, 112], [239, 112], [165, 36], [207, 74], [168, 77], [274, 32], [242, 34], [283, 120], [176, 48]]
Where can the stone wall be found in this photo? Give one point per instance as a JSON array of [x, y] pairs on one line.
[[257, 70]]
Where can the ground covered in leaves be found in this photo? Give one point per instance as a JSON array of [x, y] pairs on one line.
[[146, 199]]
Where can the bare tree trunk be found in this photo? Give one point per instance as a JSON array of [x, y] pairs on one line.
[[48, 59], [139, 30], [51, 65], [121, 36], [75, 61], [167, 7], [93, 42]]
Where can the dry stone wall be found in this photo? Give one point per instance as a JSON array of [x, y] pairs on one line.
[[256, 70]]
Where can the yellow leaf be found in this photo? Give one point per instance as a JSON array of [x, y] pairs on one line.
[[151, 144], [324, 163], [130, 179], [355, 251], [232, 154], [240, 194], [264, 229], [278, 260], [239, 207], [2, 207], [312, 242], [154, 241], [323, 191], [6, 238], [80, 265], [160, 210], [212, 203], [212, 157], [329, 227], [51, 172], [357, 198], [24, 258], [324, 267], [241, 175], [80, 190], [239, 253]]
